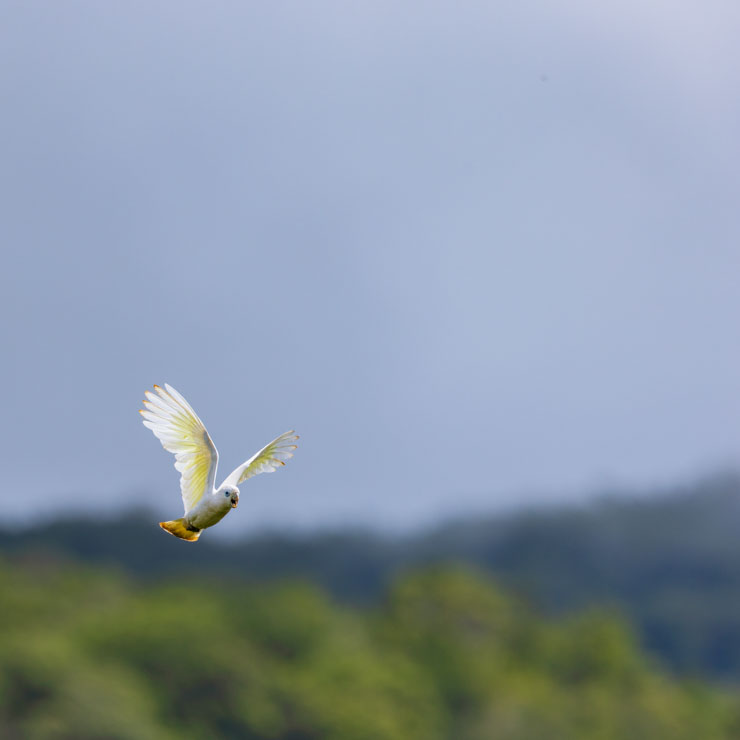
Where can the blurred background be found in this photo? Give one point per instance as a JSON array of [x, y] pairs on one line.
[[483, 258]]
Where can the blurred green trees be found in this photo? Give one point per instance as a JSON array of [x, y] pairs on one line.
[[88, 653], [670, 563]]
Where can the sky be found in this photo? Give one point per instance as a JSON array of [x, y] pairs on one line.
[[479, 255]]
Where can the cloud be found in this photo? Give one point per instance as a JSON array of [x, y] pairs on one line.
[[465, 250]]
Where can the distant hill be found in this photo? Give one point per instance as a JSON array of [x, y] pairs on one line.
[[670, 562]]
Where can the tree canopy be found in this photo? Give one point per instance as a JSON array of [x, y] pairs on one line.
[[445, 653]]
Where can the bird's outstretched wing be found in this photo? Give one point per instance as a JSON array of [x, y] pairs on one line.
[[267, 460], [181, 432]]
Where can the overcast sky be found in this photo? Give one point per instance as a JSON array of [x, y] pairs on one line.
[[477, 254]]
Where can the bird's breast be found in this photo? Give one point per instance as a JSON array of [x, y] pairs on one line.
[[210, 510]]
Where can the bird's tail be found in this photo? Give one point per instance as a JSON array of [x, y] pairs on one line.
[[180, 529]]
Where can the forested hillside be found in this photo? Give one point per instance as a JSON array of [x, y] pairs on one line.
[[86, 653], [670, 563]]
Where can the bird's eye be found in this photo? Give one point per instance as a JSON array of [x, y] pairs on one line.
[[226, 493]]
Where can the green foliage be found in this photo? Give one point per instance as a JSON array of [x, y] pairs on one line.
[[670, 563], [89, 654]]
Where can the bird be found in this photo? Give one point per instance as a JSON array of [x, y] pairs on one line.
[[178, 428]]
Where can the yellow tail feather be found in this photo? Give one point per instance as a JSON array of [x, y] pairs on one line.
[[180, 529]]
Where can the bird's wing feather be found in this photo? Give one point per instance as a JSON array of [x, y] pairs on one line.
[[181, 432], [267, 460]]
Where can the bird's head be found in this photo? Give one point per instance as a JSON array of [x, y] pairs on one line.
[[232, 494]]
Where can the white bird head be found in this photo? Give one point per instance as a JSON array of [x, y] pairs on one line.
[[231, 493]]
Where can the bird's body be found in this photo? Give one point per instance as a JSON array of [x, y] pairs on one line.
[[181, 432], [209, 510]]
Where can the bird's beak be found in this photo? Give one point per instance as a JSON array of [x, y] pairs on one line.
[[234, 502]]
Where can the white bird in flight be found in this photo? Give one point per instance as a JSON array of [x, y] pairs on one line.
[[181, 432]]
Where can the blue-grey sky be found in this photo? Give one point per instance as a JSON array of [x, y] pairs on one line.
[[477, 254]]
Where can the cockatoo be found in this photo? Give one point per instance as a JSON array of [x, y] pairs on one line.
[[181, 432]]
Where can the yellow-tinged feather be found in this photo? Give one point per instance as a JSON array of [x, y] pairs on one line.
[[178, 528], [181, 432], [267, 460]]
